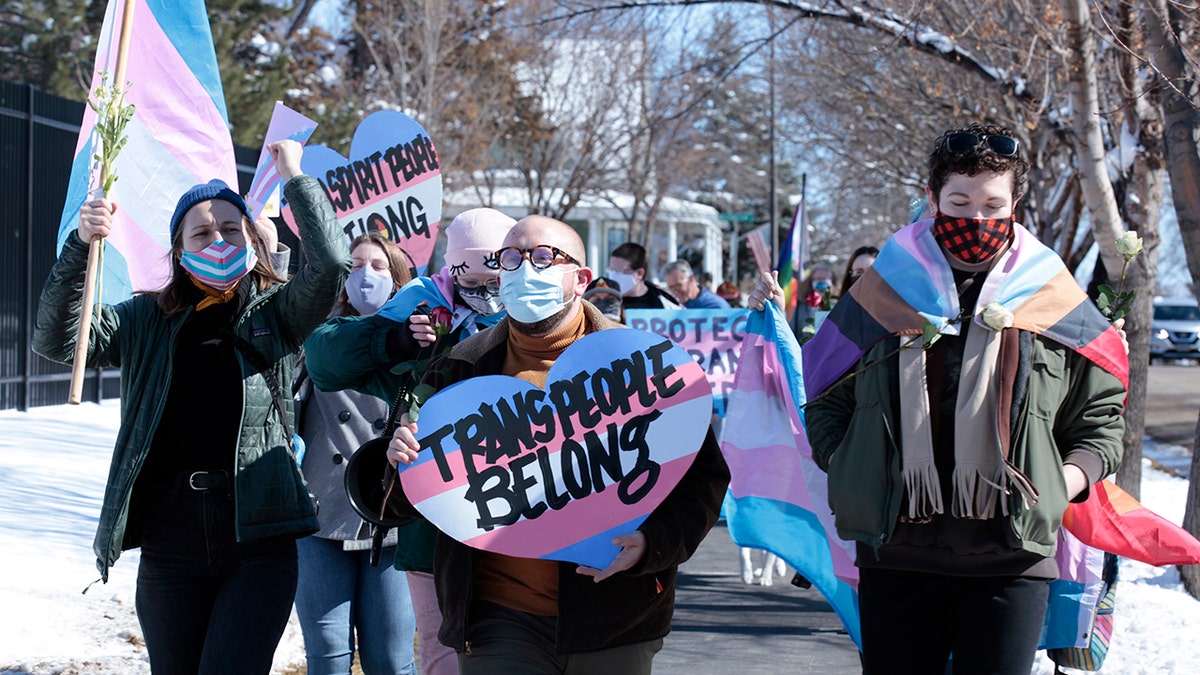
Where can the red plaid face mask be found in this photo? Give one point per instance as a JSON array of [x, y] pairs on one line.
[[972, 240]]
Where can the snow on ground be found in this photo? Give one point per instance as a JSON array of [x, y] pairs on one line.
[[53, 466]]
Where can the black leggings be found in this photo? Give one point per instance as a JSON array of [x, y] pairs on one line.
[[912, 622]]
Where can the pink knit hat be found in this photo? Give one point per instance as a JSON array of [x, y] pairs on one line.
[[473, 237]]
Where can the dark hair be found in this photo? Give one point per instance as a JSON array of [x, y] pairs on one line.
[[847, 278], [634, 253], [806, 284], [981, 158], [397, 265], [180, 293]]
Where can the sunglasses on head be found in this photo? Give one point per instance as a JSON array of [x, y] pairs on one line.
[[962, 142]]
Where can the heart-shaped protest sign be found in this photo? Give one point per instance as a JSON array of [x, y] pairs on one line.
[[556, 473], [391, 183]]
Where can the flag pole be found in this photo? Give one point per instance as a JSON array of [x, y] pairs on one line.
[[801, 263], [96, 244]]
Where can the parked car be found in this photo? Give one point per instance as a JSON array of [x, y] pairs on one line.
[[1175, 330]]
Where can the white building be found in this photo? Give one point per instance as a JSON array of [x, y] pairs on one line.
[[601, 224]]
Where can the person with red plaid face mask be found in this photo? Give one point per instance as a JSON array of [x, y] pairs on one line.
[[951, 460]]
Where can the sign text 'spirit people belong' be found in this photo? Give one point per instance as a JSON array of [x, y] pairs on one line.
[[556, 473], [391, 183]]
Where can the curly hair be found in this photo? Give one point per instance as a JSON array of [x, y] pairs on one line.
[[975, 161]]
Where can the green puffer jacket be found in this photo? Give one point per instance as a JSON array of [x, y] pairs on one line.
[[270, 495], [1070, 406]]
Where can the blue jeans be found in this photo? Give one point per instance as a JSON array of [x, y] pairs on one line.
[[341, 595], [207, 603]]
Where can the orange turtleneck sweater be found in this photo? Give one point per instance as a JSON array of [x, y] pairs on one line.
[[526, 584]]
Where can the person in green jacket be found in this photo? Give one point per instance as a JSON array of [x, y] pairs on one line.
[[959, 397], [362, 352], [203, 477]]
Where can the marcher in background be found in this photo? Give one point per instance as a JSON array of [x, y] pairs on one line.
[[951, 461], [728, 291], [822, 280], [267, 239], [360, 353], [605, 294], [203, 475], [627, 267], [345, 604], [520, 615], [682, 283], [859, 262]]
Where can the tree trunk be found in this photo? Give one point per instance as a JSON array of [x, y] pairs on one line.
[[1179, 99], [1107, 225], [1085, 122], [1190, 574], [1146, 183], [1142, 207]]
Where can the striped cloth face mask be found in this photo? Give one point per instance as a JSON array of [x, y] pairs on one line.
[[220, 265]]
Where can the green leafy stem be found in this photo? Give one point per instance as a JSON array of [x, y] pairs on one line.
[[112, 116]]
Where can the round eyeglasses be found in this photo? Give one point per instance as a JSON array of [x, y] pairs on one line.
[[541, 256]]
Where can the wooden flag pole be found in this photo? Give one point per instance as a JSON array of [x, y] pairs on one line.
[[93, 264]]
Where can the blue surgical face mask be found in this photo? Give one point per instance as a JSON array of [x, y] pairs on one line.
[[822, 285], [531, 295], [368, 289], [482, 299]]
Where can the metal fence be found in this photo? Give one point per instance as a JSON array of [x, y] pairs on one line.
[[38, 133]]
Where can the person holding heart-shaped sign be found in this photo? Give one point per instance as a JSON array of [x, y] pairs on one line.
[[510, 614], [387, 351]]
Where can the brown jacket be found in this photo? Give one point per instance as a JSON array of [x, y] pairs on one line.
[[630, 607]]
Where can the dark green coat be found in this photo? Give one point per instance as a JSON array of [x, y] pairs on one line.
[[269, 492], [1070, 406]]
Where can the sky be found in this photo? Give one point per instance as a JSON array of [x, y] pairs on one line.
[[52, 476]]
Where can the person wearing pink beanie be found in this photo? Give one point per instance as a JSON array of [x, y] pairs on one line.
[[359, 353]]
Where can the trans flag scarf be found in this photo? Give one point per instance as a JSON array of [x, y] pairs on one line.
[[912, 285]]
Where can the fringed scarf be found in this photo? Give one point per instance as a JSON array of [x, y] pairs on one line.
[[912, 284]]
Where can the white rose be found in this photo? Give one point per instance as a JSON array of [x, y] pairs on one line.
[[996, 317], [1129, 244]]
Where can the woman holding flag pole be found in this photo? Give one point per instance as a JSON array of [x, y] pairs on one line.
[[203, 477]]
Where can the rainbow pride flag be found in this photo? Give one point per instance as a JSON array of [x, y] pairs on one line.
[[777, 499], [911, 284], [178, 137], [791, 258]]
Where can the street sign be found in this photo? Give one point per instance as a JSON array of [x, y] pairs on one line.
[[744, 217]]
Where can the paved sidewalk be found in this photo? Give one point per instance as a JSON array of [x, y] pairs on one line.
[[725, 627]]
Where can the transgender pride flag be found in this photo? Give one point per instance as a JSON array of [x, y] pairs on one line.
[[777, 496], [178, 137]]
